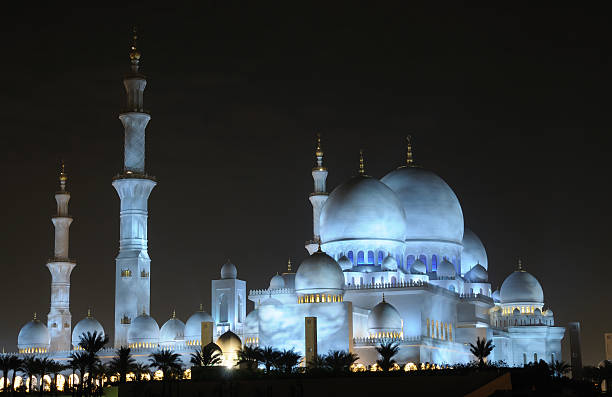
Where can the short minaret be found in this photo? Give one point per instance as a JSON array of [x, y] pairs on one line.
[[318, 197], [133, 185], [59, 319]]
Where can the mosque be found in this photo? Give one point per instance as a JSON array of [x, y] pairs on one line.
[[389, 259]]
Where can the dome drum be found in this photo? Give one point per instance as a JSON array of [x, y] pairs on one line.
[[432, 253], [364, 251]]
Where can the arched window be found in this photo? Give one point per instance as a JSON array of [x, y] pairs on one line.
[[434, 263], [400, 261], [350, 257], [524, 358], [481, 291], [371, 257], [393, 280], [361, 280], [409, 260], [423, 259], [381, 257], [382, 280], [223, 309], [373, 280], [360, 258], [353, 280], [535, 358], [240, 308]]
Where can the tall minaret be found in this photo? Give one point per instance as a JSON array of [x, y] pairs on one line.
[[59, 319], [132, 273], [318, 197]]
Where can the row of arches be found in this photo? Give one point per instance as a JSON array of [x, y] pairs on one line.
[[374, 281], [376, 258], [320, 298], [439, 330], [509, 322]]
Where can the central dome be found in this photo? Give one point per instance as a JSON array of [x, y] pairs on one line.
[[362, 208], [521, 287], [431, 207], [319, 273]]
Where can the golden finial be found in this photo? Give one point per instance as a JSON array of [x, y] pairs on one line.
[[89, 312], [35, 319], [520, 265], [134, 53], [409, 158], [63, 177], [289, 265], [319, 154], [361, 163], [173, 313], [201, 307]]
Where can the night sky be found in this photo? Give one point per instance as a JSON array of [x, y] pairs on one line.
[[510, 106]]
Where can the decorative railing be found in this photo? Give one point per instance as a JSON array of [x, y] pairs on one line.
[[272, 291]]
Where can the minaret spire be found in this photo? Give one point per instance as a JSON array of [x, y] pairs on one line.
[[409, 158], [318, 196], [59, 319], [133, 185]]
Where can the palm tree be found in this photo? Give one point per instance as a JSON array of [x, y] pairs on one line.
[[207, 356], [387, 350], [251, 356], [15, 365], [482, 349], [560, 368], [80, 361], [55, 368], [168, 362], [287, 360], [5, 366], [122, 363], [340, 360], [605, 373], [92, 343], [140, 370], [318, 363], [269, 355], [30, 367], [43, 366]]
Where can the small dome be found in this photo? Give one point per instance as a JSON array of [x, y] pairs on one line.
[[549, 313], [229, 342], [277, 282], [389, 263], [270, 302], [521, 287], [34, 335], [516, 311], [473, 251], [172, 331], [384, 317], [319, 273], [446, 270], [345, 263], [362, 208], [88, 324], [228, 270], [418, 267], [429, 203], [495, 296], [477, 274], [537, 311], [144, 329], [251, 323], [193, 327]]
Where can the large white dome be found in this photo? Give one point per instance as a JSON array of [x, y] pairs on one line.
[[34, 336], [193, 327], [521, 287], [384, 317], [88, 324], [319, 273], [172, 331], [431, 207], [473, 252], [362, 208], [144, 329]]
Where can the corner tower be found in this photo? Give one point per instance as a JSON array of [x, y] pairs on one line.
[[317, 197], [133, 185], [59, 319]]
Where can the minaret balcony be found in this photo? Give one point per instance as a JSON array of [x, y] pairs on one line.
[[61, 260], [134, 175]]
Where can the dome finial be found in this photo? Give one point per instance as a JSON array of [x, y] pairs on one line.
[[201, 307], [383, 297], [134, 53], [520, 265], [319, 249], [89, 312], [173, 313], [289, 265], [319, 154], [35, 319], [409, 158], [63, 177], [361, 163]]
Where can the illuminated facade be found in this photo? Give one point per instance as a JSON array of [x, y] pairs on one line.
[[389, 259]]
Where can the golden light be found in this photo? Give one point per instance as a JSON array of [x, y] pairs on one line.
[[410, 367]]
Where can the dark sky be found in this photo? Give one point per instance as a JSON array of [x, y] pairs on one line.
[[509, 106]]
